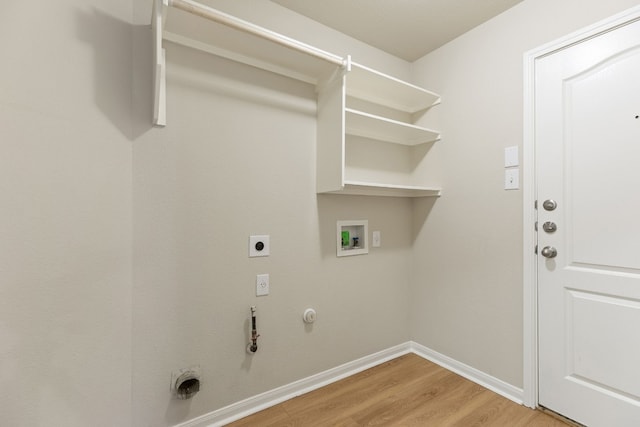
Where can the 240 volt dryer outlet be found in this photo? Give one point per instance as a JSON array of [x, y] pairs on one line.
[[258, 246]]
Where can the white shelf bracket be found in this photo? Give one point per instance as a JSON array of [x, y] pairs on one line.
[[339, 72], [159, 64], [346, 65]]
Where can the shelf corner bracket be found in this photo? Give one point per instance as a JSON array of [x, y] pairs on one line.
[[159, 64], [347, 64]]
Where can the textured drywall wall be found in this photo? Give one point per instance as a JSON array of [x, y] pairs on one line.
[[68, 353], [236, 158], [467, 278], [65, 213]]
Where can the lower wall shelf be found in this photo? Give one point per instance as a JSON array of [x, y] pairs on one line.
[[357, 188]]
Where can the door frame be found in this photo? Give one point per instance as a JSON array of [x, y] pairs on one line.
[[530, 279]]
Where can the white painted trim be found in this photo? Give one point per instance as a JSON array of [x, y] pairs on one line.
[[159, 65], [529, 280], [270, 398], [530, 291], [490, 382]]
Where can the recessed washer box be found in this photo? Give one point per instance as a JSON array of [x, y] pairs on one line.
[[352, 238]]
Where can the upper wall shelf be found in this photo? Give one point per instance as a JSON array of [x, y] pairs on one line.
[[344, 164], [389, 166], [357, 188], [367, 125], [374, 86], [198, 26]]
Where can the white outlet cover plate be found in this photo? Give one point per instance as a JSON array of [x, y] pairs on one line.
[[262, 285], [253, 241], [375, 241]]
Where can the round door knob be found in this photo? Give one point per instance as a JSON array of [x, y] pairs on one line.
[[549, 252]]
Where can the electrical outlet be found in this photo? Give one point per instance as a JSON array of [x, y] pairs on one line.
[[262, 285], [375, 241], [258, 246]]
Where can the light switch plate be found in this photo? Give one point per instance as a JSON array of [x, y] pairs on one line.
[[511, 157], [512, 179]]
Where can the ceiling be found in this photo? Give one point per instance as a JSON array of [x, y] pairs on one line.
[[408, 29]]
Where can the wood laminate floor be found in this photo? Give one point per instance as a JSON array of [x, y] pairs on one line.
[[407, 391]]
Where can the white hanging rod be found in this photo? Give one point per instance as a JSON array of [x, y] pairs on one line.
[[211, 14]]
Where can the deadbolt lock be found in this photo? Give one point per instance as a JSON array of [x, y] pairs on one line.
[[549, 227], [549, 205]]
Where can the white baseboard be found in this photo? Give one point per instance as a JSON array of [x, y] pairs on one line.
[[492, 383], [270, 398]]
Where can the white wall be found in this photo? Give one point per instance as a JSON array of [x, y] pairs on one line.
[[65, 213], [284, 21], [83, 344], [467, 277], [238, 158]]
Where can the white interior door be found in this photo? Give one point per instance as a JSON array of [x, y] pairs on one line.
[[587, 138]]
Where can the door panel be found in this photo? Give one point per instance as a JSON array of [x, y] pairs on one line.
[[587, 126], [593, 345], [602, 150]]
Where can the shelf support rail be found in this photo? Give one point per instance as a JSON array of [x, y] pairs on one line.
[[159, 65], [211, 14]]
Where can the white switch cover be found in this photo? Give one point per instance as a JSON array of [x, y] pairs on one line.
[[512, 179], [375, 241], [511, 157], [262, 285]]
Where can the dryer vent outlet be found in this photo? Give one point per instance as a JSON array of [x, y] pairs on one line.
[[185, 383]]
